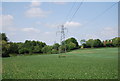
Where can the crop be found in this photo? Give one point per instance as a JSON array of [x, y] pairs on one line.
[[98, 63]]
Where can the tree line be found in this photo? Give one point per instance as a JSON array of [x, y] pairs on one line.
[[38, 47]]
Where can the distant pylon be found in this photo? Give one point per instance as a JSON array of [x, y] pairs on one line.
[[62, 37]]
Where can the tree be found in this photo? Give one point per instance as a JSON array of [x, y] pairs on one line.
[[54, 51], [31, 47], [71, 46], [83, 41], [4, 46], [108, 43], [13, 48], [116, 41], [62, 49], [97, 43], [94, 43], [56, 46], [90, 43], [24, 51], [47, 49], [3, 37], [73, 40], [36, 49]]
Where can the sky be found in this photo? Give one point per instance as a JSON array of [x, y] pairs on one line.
[[41, 20]]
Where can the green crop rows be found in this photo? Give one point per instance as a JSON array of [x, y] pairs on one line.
[[98, 63]]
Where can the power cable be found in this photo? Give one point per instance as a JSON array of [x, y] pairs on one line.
[[76, 11], [95, 18]]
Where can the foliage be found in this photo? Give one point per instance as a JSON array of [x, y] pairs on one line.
[[13, 48], [24, 51], [71, 41], [54, 51], [29, 47], [56, 46], [5, 48], [83, 41], [97, 43], [62, 49], [47, 49], [90, 43], [71, 46], [116, 41], [3, 37], [93, 43]]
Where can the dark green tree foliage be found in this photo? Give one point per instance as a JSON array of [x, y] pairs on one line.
[[71, 41], [83, 43], [108, 43], [54, 51], [37, 49], [94, 43], [90, 43], [47, 49], [3, 37], [97, 43], [31, 47], [4, 48], [56, 46], [116, 41], [13, 48], [62, 49], [71, 46], [24, 51]]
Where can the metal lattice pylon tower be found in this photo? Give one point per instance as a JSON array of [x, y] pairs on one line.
[[62, 37]]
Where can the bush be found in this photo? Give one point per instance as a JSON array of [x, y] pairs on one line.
[[23, 51], [62, 49], [4, 48], [116, 41], [71, 46], [47, 49], [54, 51]]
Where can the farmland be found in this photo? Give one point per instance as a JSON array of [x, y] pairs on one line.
[[92, 63]]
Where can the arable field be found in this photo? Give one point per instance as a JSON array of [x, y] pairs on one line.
[[97, 63]]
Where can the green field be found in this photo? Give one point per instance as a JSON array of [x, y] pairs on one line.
[[98, 63]]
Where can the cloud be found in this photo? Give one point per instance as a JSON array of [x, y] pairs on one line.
[[67, 24], [31, 30], [12, 29], [50, 25], [36, 11], [6, 20], [35, 4], [109, 32], [104, 34], [91, 36], [72, 24], [1, 9], [60, 3], [48, 33]]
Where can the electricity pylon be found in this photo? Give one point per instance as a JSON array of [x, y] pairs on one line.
[[62, 37]]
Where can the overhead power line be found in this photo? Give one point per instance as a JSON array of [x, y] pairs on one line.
[[62, 30], [70, 11], [96, 17], [76, 11]]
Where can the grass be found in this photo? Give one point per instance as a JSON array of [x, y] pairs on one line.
[[98, 63]]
